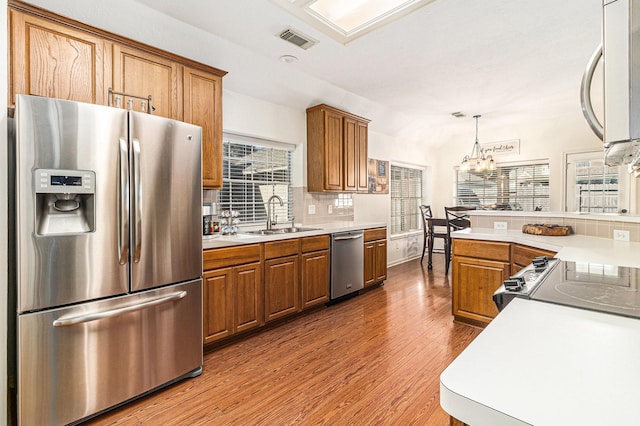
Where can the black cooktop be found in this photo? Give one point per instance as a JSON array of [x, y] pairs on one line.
[[598, 287]]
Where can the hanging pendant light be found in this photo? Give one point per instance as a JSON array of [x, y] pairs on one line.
[[477, 161]]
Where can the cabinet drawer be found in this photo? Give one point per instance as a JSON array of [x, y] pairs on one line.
[[522, 255], [230, 256], [281, 248], [321, 242], [375, 234], [481, 249]]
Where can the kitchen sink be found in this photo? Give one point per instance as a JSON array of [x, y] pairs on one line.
[[277, 231]]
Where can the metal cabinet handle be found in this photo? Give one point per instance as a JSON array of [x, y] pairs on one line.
[[137, 208], [352, 237], [123, 202], [585, 94], [92, 316]]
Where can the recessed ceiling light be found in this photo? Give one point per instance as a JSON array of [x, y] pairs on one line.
[[287, 59]]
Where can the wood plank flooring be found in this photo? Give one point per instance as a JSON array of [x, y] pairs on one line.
[[374, 359]]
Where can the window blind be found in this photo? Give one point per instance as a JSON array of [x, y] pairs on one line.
[[510, 187], [406, 197], [253, 171]]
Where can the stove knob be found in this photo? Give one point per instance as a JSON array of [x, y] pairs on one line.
[[514, 284], [540, 261]]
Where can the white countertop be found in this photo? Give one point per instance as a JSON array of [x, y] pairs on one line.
[[580, 248], [613, 217], [321, 229], [544, 364]]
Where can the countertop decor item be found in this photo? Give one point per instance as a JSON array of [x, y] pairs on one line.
[[546, 229]]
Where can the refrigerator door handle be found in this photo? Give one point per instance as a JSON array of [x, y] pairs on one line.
[[123, 202], [93, 316], [137, 202]]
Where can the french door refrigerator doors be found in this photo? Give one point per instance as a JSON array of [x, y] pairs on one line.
[[68, 198], [166, 208]]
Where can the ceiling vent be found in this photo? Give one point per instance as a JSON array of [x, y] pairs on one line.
[[297, 38]]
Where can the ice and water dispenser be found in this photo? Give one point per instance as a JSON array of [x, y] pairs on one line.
[[65, 201]]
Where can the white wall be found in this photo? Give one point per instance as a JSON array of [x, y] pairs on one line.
[[547, 138]]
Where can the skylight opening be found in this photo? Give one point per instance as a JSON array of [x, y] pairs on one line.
[[354, 15]]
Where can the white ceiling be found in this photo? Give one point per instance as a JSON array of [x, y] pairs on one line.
[[508, 60]]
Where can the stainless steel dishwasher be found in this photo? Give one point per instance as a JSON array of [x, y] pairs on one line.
[[347, 263]]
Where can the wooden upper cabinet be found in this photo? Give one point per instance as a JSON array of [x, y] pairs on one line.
[[54, 56], [203, 107], [362, 156], [56, 61], [139, 73], [336, 150]]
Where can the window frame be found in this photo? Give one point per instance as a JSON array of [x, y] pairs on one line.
[[623, 202], [252, 207], [507, 197], [408, 205]]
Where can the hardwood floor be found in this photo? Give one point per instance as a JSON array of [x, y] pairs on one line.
[[373, 359]]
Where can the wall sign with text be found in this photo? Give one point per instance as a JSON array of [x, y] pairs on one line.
[[510, 147]]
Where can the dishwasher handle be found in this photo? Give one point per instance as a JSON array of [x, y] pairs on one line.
[[348, 237]]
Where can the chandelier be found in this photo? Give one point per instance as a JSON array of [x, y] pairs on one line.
[[477, 161]]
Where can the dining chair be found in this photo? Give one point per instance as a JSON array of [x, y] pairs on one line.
[[429, 224], [457, 218]]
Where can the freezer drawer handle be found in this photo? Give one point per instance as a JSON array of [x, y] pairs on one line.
[[62, 322], [353, 237]]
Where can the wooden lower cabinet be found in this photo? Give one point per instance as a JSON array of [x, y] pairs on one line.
[[315, 278], [281, 287], [522, 256], [474, 282], [375, 256], [232, 301], [250, 285], [478, 270], [232, 291]]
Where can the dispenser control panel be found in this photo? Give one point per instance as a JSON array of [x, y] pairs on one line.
[[58, 181]]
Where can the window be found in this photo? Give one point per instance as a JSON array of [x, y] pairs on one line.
[[252, 171], [592, 186], [509, 187], [406, 196]]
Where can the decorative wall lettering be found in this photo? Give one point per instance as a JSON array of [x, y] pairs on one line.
[[510, 147]]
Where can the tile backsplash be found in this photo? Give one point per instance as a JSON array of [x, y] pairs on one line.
[[590, 227], [315, 208]]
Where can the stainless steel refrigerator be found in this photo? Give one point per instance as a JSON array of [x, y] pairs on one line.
[[108, 256]]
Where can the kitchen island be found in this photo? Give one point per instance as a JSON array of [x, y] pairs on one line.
[[543, 364]]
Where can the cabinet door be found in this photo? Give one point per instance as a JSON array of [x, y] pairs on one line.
[[139, 73], [281, 287], [53, 60], [332, 151], [362, 157], [351, 157], [381, 260], [247, 297], [203, 107], [218, 304], [315, 278], [474, 282], [369, 263]]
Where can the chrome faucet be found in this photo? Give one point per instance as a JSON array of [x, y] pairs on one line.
[[270, 216]]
